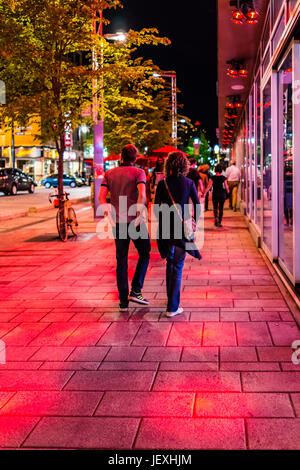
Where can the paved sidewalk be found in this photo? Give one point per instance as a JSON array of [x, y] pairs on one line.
[[81, 375]]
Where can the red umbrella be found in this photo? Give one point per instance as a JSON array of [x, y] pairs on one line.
[[164, 151], [112, 158]]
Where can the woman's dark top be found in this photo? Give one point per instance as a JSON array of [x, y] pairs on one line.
[[193, 175], [182, 190], [218, 182]]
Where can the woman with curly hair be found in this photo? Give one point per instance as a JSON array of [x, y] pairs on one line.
[[177, 190]]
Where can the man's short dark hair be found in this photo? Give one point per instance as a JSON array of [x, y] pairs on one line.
[[129, 154], [193, 161], [219, 168]]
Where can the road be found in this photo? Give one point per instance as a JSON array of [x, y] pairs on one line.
[[17, 205]]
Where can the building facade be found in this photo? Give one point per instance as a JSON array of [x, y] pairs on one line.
[[263, 131]]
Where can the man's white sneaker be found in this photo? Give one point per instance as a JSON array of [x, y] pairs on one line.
[[173, 314]]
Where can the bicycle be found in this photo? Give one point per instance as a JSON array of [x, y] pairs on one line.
[[65, 217]]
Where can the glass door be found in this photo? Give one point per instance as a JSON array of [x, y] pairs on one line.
[[267, 166], [286, 163]]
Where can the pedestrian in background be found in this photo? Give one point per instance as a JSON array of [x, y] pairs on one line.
[[194, 175], [175, 189], [205, 176], [233, 176], [128, 182], [157, 175], [220, 187]]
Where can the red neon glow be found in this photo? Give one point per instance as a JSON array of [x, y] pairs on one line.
[[252, 14], [232, 72], [243, 73]]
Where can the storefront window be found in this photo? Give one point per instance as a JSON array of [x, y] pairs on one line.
[[286, 163], [258, 153], [279, 32], [276, 9], [291, 6], [267, 167]]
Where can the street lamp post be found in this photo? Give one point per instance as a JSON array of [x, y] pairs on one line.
[[173, 77], [99, 123]]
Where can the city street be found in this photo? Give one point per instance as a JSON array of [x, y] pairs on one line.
[[23, 202], [79, 374]]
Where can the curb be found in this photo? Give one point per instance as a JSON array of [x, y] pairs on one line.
[[34, 210]]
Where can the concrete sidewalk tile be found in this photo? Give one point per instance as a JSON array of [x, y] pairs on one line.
[[152, 334], [20, 366], [71, 365], [265, 316], [33, 380], [120, 334], [87, 354], [52, 404], [296, 402], [219, 334], [186, 334], [20, 353], [54, 335], [150, 404], [239, 354], [248, 405], [23, 334], [137, 366], [284, 334], [273, 434], [125, 353], [13, 430], [162, 354], [276, 353], [250, 366], [111, 380], [87, 334], [202, 381], [204, 316], [203, 354], [253, 334], [188, 366], [84, 433], [51, 353], [4, 398], [234, 316], [271, 381], [196, 433]]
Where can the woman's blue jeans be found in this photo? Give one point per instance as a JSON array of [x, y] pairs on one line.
[[175, 263]]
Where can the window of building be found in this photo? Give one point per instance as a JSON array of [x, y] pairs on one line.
[[291, 6], [286, 162], [267, 167], [258, 154], [277, 4]]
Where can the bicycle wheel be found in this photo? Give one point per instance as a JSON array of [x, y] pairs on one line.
[[62, 226], [72, 221]]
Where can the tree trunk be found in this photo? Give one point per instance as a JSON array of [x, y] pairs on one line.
[[60, 176]]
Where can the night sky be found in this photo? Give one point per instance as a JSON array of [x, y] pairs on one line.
[[192, 28]]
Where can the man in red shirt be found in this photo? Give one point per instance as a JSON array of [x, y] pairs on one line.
[[127, 187]]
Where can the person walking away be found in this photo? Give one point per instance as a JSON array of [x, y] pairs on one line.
[[218, 182], [194, 175], [128, 181], [157, 175], [206, 177], [233, 176], [178, 189]]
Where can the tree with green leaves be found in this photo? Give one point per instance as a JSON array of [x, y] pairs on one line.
[[41, 42]]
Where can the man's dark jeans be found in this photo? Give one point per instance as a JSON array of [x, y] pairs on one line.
[[143, 247], [218, 202], [175, 263]]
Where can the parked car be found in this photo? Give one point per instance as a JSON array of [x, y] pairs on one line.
[[13, 180], [51, 181]]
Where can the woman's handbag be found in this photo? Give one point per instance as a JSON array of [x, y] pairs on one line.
[[189, 225]]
